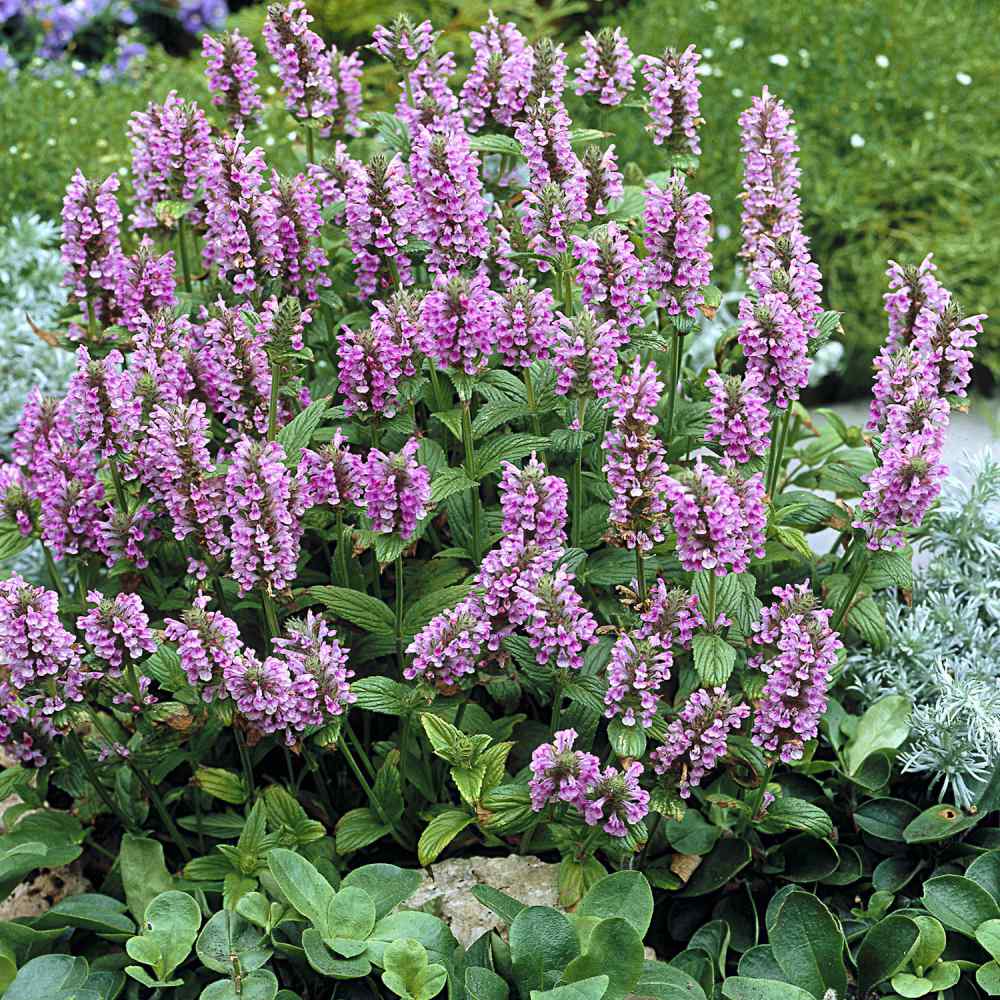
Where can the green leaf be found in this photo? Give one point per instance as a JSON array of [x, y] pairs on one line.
[[938, 823], [883, 727], [430, 931], [260, 984], [885, 949], [542, 943], [987, 976], [358, 828], [323, 961], [387, 885], [298, 432], [586, 989], [740, 988], [303, 886], [613, 949], [624, 894], [448, 482], [713, 659], [506, 448], [351, 915], [959, 903], [988, 935], [144, 872], [226, 786], [485, 984], [504, 906], [363, 610], [408, 973], [229, 944], [170, 926], [985, 871], [931, 943], [496, 413], [885, 818], [440, 832], [627, 741], [788, 813], [49, 977], [89, 911], [164, 666], [809, 945], [425, 608], [729, 857], [12, 542], [667, 982], [504, 145], [381, 694]]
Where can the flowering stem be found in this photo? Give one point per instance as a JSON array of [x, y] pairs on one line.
[[529, 392], [116, 480], [93, 778], [353, 737], [310, 146], [640, 573], [245, 763], [567, 286], [369, 791], [182, 252], [861, 558], [270, 615], [577, 526], [776, 453], [50, 565], [439, 400], [470, 471], [272, 405], [713, 584], [758, 799], [653, 830], [342, 549], [674, 367], [399, 612]]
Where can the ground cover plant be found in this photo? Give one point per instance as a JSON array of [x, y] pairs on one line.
[[381, 520]]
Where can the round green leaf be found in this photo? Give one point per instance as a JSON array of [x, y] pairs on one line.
[[728, 858], [988, 978], [228, 937], [938, 823], [959, 903], [738, 988], [884, 950], [988, 935], [809, 945], [615, 950], [624, 894], [542, 943], [260, 984]]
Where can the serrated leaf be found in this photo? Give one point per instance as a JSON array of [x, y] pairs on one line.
[[440, 832], [425, 608], [298, 432], [363, 610], [381, 694], [448, 482], [506, 448], [714, 659], [358, 828]]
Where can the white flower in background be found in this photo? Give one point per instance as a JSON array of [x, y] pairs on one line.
[[778, 59], [964, 79], [882, 61], [857, 141]]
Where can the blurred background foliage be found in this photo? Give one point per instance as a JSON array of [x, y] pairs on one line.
[[896, 107]]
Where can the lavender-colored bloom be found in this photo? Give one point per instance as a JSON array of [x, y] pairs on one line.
[[607, 67], [775, 344], [500, 79], [558, 626], [380, 219], [544, 135], [915, 301], [949, 345], [265, 504], [585, 355], [99, 407], [147, 286], [26, 732], [679, 265], [603, 179], [261, 692], [399, 320], [430, 102], [548, 70], [449, 210], [610, 276], [560, 773], [449, 646], [636, 672], [208, 644], [117, 629], [674, 90], [330, 177], [197, 16], [333, 475], [800, 650], [91, 247], [461, 318], [548, 215], [15, 499], [533, 503], [317, 663], [231, 70], [526, 324], [370, 369], [36, 428], [403, 43], [171, 146], [738, 417], [635, 461], [303, 61], [771, 205], [901, 489], [126, 535], [616, 799], [179, 472], [397, 490], [671, 617], [35, 648], [515, 563], [717, 522], [698, 738], [291, 218]]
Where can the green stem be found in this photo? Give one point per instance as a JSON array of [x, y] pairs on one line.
[[439, 400], [103, 794], [649, 840], [310, 146], [116, 480], [577, 522], [369, 791], [470, 471], [776, 453], [713, 584], [529, 392], [246, 763], [399, 612], [50, 565], [758, 799], [640, 573], [359, 747], [182, 252], [861, 557], [270, 614], [342, 536], [674, 367], [320, 778], [91, 320], [272, 406], [567, 286]]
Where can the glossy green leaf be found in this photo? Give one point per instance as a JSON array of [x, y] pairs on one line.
[[260, 984], [303, 886], [959, 903], [542, 943], [387, 885], [740, 988], [408, 973], [885, 949], [440, 832], [229, 943], [613, 949], [624, 894], [938, 823], [727, 859], [809, 944], [884, 726]]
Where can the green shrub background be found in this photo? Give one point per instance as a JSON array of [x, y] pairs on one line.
[[925, 179]]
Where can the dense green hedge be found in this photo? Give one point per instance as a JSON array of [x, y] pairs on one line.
[[925, 178]]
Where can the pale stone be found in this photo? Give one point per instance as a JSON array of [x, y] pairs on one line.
[[33, 897], [447, 891]]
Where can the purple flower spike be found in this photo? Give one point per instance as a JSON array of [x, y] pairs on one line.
[[561, 774], [607, 69], [674, 91], [231, 69], [448, 647], [499, 82], [585, 356], [616, 798], [739, 420], [637, 671], [534, 503], [610, 276], [117, 629], [208, 644], [461, 318], [800, 650], [558, 626], [397, 490]]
